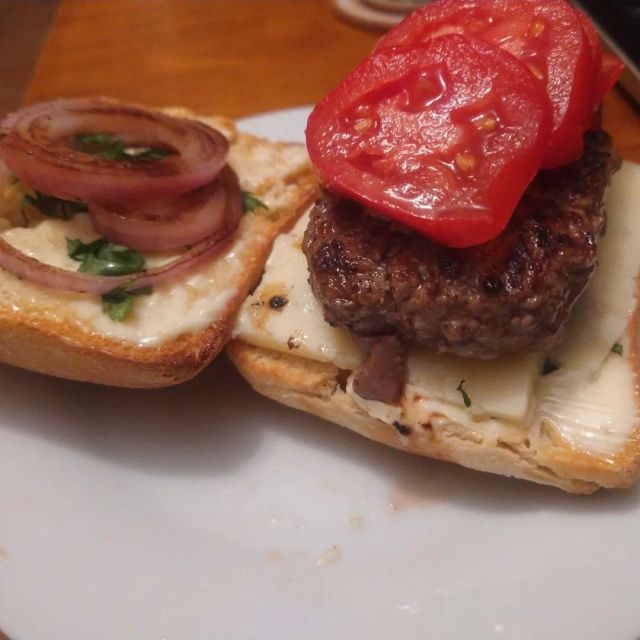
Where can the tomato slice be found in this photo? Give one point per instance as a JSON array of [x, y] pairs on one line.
[[545, 34], [593, 40], [595, 55], [607, 68], [443, 137], [610, 72]]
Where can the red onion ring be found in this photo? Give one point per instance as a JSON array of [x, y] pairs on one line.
[[34, 145], [186, 219], [51, 277]]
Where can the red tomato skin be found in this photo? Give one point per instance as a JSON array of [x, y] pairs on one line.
[[610, 73], [595, 54], [593, 39], [606, 67], [402, 164], [515, 25]]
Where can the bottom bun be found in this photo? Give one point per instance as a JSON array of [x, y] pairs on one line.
[[320, 389]]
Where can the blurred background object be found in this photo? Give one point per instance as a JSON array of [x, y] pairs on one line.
[[377, 14], [237, 57], [363, 14], [404, 6], [619, 25], [24, 25]]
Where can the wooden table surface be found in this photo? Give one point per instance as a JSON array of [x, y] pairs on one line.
[[233, 57]]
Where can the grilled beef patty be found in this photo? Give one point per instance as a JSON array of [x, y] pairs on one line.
[[512, 293]]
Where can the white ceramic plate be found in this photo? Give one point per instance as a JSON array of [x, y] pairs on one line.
[[206, 512]]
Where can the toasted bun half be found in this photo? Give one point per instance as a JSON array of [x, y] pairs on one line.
[[575, 428], [184, 324], [318, 388]]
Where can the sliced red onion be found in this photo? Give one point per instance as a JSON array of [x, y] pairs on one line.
[[185, 219], [35, 144], [48, 276]]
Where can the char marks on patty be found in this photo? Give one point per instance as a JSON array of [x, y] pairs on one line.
[[512, 293]]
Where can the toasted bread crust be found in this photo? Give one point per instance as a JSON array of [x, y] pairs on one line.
[[318, 388], [69, 348]]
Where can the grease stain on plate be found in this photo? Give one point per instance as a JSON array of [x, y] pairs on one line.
[[416, 490], [355, 521], [276, 556], [329, 557]]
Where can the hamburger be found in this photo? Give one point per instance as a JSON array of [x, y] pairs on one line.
[[457, 290]]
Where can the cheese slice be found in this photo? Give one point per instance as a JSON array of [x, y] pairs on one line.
[[284, 315], [501, 388], [602, 313], [595, 415]]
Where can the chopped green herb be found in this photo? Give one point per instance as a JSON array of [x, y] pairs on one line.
[[52, 206], [100, 144], [465, 396], [251, 203], [117, 304], [549, 366], [617, 348], [107, 146], [103, 258]]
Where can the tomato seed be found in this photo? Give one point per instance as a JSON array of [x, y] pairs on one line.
[[466, 161], [476, 26], [537, 72], [486, 123], [536, 28], [362, 125]]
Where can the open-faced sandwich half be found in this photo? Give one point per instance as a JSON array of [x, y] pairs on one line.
[[457, 290], [129, 237]]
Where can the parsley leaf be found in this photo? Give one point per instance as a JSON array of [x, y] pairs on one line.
[[617, 348], [100, 144], [251, 203], [52, 206], [107, 146], [465, 396], [103, 258], [117, 304]]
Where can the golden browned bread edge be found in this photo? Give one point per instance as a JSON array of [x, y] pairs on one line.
[[318, 388], [58, 348]]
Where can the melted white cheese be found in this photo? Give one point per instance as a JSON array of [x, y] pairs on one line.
[[602, 313], [596, 414], [416, 408], [590, 401], [172, 309]]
